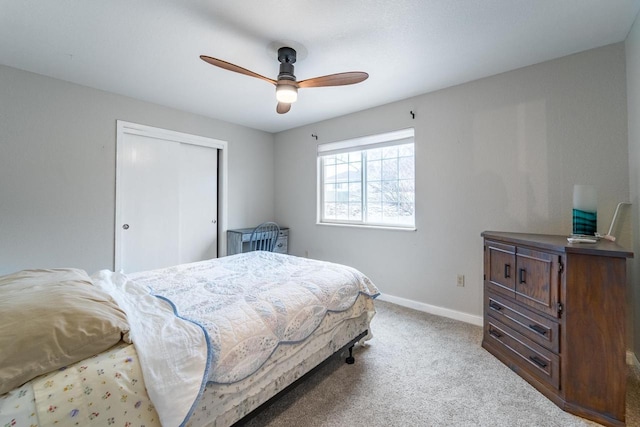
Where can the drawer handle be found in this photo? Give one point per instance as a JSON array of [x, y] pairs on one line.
[[507, 271], [539, 329], [522, 275], [495, 306], [538, 361], [495, 333]]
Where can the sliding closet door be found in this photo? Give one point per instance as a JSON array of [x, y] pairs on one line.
[[198, 186], [166, 201], [150, 198]]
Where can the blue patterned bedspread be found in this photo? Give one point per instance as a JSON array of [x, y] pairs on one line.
[[251, 303]]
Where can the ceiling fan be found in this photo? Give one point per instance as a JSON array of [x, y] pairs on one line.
[[286, 84]]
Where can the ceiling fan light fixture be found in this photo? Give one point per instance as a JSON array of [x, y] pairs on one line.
[[286, 93]]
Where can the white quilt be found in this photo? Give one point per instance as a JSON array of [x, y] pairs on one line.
[[251, 303], [232, 314]]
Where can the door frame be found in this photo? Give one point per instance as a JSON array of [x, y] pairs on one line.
[[122, 129]]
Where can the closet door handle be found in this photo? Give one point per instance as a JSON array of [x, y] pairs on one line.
[[507, 271], [538, 361], [522, 274], [539, 329]]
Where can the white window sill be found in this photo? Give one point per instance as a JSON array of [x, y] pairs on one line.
[[379, 227]]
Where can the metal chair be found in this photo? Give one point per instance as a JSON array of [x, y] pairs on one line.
[[264, 237]]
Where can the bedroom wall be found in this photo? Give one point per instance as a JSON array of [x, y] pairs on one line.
[[632, 46], [500, 153], [57, 169]]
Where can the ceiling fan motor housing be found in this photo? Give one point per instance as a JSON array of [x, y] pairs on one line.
[[287, 54], [287, 57]]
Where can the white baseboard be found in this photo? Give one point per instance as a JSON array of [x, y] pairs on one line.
[[432, 309]]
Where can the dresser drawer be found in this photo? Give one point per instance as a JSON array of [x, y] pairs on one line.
[[524, 353], [500, 268], [539, 329]]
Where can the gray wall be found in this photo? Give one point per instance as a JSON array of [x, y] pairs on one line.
[[501, 153], [633, 107], [57, 169]]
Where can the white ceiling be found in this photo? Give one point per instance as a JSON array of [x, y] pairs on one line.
[[149, 49]]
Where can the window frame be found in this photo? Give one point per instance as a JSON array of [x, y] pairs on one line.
[[363, 145]]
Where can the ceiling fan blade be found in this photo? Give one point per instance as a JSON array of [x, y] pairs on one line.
[[283, 108], [339, 79], [232, 67]]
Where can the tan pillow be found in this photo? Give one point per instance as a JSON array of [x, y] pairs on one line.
[[50, 319]]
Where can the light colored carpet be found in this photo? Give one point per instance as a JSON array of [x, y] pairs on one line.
[[422, 370]]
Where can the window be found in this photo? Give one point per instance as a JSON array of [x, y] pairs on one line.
[[368, 181]]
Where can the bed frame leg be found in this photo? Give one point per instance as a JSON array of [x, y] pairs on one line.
[[351, 360]]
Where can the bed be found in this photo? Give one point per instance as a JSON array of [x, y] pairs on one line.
[[199, 344]]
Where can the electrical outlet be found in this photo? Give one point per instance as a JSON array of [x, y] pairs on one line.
[[460, 279]]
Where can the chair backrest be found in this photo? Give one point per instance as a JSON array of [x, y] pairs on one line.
[[264, 237]]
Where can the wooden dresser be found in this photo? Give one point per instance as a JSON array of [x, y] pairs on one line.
[[554, 313]]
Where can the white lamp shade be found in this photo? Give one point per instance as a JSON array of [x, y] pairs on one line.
[[286, 93], [585, 198], [585, 209]]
